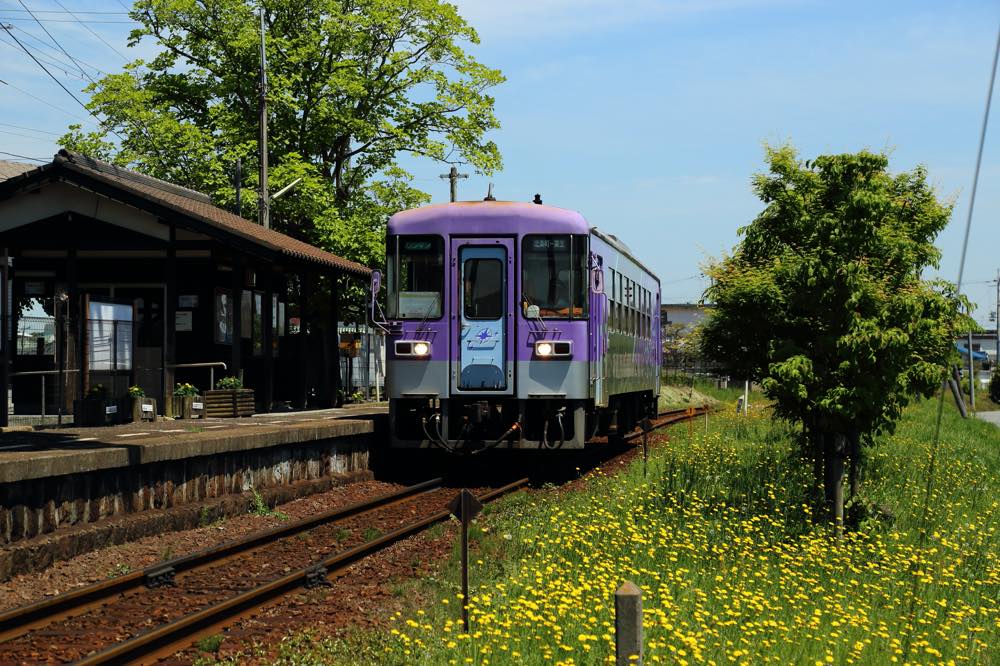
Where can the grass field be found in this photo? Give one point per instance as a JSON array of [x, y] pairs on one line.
[[722, 532]]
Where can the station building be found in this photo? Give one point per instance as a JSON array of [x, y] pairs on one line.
[[116, 278]]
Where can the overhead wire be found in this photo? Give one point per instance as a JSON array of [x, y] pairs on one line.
[[55, 63], [935, 444], [52, 76], [23, 157], [46, 102], [30, 129], [52, 52], [60, 20], [53, 39], [92, 31]]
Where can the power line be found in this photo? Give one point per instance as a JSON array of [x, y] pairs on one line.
[[26, 136], [49, 50], [43, 44], [55, 63], [30, 129], [56, 11], [47, 103], [54, 40], [932, 463], [51, 76], [91, 31], [48, 20], [23, 157]]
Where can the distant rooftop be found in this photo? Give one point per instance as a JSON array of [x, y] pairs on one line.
[[11, 169]]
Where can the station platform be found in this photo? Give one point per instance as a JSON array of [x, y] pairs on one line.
[[32, 453], [62, 490]]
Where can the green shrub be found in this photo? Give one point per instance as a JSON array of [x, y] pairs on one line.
[[97, 392], [185, 390], [229, 383], [136, 392]]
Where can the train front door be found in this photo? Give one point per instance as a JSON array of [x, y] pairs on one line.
[[483, 316]]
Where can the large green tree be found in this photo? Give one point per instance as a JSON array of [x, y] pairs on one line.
[[823, 301], [352, 86]]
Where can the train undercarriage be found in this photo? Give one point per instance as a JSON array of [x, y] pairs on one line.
[[469, 424]]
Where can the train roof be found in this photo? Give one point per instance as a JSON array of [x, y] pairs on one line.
[[488, 217], [501, 217], [620, 246]]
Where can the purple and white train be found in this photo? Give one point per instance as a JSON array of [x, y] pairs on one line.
[[515, 325]]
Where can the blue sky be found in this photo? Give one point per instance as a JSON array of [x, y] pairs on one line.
[[650, 116]]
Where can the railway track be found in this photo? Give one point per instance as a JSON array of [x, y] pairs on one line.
[[668, 417], [151, 614]]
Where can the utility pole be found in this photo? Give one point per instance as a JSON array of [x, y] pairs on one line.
[[453, 175], [263, 213]]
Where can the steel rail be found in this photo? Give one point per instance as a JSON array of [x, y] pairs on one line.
[[164, 641], [21, 620]]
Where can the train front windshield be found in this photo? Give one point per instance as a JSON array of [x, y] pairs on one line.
[[554, 275], [415, 277]]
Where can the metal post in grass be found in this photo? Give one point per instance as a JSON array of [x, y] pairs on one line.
[[465, 507], [628, 625]]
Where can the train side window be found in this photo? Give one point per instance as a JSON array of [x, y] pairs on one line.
[[415, 281], [611, 299]]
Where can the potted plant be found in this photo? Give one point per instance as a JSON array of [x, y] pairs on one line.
[[188, 404], [95, 409], [229, 399], [143, 408]]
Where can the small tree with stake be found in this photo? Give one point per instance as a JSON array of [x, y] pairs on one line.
[[823, 302]]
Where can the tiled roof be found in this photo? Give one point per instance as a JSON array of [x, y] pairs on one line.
[[11, 169], [198, 206]]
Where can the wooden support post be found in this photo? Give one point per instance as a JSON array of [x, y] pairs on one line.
[[74, 326], [236, 364], [338, 398], [304, 376], [8, 340], [170, 312], [267, 322], [628, 625]]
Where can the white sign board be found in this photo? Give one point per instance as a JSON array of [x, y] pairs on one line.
[[184, 321]]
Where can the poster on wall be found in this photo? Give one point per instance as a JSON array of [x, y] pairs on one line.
[[109, 336], [223, 324], [183, 320]]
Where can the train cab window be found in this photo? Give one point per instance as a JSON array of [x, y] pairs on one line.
[[483, 289], [554, 275], [415, 280]]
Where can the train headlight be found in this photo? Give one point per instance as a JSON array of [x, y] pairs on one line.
[[553, 348], [413, 348]]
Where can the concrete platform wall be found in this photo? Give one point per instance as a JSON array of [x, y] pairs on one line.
[[39, 506]]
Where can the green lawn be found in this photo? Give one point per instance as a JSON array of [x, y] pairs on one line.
[[723, 534]]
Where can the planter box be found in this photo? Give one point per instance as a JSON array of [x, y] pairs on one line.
[[189, 406], [92, 412], [143, 409], [223, 403]]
